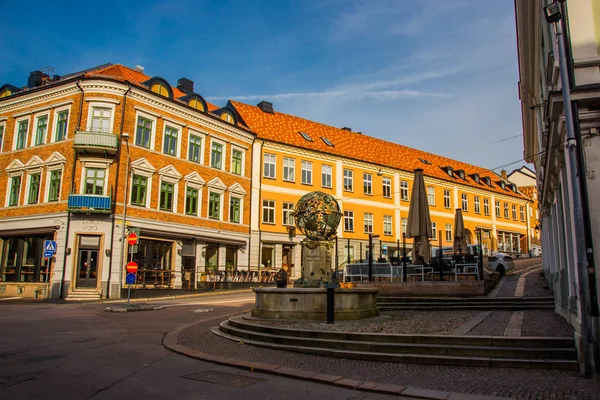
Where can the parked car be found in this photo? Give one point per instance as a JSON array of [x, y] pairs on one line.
[[500, 262]]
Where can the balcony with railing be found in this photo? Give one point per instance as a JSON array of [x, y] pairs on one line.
[[90, 141], [89, 203]]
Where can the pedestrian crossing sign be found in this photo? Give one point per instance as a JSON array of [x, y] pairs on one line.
[[50, 246]]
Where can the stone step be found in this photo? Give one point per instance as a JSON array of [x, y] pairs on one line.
[[417, 358], [84, 295], [442, 340], [508, 307], [392, 299]]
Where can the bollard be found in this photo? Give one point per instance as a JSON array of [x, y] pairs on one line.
[[330, 302]]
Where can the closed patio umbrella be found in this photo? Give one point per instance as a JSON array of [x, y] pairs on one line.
[[460, 236], [419, 221]]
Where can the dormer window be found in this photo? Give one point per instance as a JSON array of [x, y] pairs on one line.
[[513, 187], [160, 89], [159, 86], [197, 104], [327, 141], [502, 184], [475, 177], [5, 93], [461, 173], [227, 117], [449, 171], [424, 161], [487, 181], [305, 136]]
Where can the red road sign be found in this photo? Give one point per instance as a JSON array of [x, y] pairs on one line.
[[131, 267], [132, 239]]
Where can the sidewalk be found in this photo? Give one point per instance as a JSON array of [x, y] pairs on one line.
[[425, 381]]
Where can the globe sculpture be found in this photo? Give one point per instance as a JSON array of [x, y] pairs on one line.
[[317, 216]]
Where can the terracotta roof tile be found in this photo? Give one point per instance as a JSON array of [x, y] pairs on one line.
[[527, 191], [284, 128]]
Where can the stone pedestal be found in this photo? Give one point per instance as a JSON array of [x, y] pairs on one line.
[[316, 264]]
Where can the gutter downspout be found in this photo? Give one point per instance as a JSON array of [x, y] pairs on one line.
[[112, 228], [64, 266], [250, 224]]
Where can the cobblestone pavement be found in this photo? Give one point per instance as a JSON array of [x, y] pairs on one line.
[[545, 323], [493, 325]]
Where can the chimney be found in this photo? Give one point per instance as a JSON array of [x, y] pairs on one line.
[[503, 174], [139, 68], [265, 106], [347, 129], [35, 79], [185, 85]]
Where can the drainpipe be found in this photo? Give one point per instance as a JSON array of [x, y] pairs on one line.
[[250, 205], [64, 267], [112, 228]]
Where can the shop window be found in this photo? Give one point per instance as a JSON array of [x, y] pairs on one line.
[[22, 259], [230, 258], [211, 257], [154, 258], [267, 257]]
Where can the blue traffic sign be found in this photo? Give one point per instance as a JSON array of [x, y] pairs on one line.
[[130, 279], [48, 254], [49, 246]]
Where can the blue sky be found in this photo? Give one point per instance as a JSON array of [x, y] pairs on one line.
[[438, 75]]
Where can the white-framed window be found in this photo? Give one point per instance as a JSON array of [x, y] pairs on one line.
[[447, 201], [368, 220], [21, 133], [431, 195], [140, 183], [367, 183], [192, 201], [404, 225], [288, 217], [268, 212], [448, 232], [387, 187], [34, 183], [235, 209], [215, 205], [349, 221], [289, 169], [217, 150], [2, 129], [477, 205], [537, 214], [171, 140], [95, 181], [404, 190], [145, 130], [514, 212], [465, 201], [522, 212], [60, 126], [486, 206], [326, 173], [434, 230], [53, 184], [13, 192], [307, 172], [387, 224], [506, 210], [101, 117], [348, 180], [237, 160], [196, 147], [168, 189], [40, 129], [269, 166], [497, 209]]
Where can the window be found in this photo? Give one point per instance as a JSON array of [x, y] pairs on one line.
[[514, 212], [227, 117], [404, 190], [327, 141], [191, 201], [506, 210], [100, 119], [139, 187], [197, 104], [170, 141], [15, 190], [537, 214], [216, 155], [1, 136], [305, 136], [404, 225], [307, 172], [434, 230], [387, 224], [349, 221], [167, 192], [465, 201], [368, 223], [522, 212], [237, 157], [447, 203], [498, 209], [348, 180], [486, 206], [268, 212], [387, 187], [289, 169], [61, 125], [160, 89], [431, 195], [54, 186], [214, 205], [367, 183], [195, 149], [235, 209], [288, 217], [269, 166], [448, 232], [34, 189], [94, 181], [477, 205], [143, 134], [41, 130], [22, 134], [326, 172]]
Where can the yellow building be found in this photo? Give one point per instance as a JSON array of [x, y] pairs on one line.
[[372, 181]]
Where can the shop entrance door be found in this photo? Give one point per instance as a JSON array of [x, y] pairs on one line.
[[87, 268]]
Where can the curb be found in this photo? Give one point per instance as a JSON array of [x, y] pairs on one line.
[[184, 296], [170, 342], [122, 309]]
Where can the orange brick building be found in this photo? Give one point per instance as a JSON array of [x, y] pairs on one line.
[[86, 158]]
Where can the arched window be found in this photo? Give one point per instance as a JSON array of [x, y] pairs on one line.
[[227, 117], [197, 104], [160, 88], [5, 93]]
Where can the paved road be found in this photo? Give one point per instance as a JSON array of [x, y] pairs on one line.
[[77, 351]]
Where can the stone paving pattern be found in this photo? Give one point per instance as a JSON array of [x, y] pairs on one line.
[[506, 382]]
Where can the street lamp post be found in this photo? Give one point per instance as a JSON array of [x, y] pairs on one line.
[[125, 137]]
